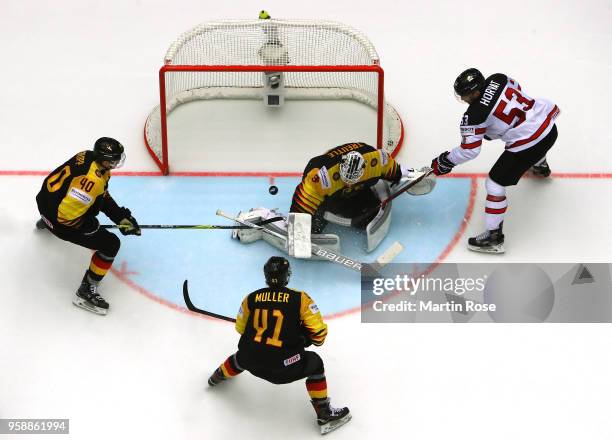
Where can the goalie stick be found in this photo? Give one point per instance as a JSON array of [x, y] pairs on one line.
[[193, 308], [406, 187], [264, 222], [320, 251]]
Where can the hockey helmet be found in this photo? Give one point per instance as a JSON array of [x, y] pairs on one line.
[[468, 81], [111, 150], [277, 272]]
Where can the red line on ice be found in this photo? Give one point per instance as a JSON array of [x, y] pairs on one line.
[[271, 175]]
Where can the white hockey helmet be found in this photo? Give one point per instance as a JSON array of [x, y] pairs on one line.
[[352, 167]]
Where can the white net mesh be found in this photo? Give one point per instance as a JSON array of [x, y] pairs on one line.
[[240, 42], [271, 43]]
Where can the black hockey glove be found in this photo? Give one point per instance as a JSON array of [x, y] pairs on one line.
[[129, 225], [442, 165]]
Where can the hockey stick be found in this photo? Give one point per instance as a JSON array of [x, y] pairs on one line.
[[264, 222], [406, 187], [193, 308], [320, 251], [401, 190]]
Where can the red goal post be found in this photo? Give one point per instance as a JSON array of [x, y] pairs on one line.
[[238, 59]]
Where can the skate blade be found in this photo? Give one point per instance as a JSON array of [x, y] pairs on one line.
[[331, 426], [497, 249], [79, 302]]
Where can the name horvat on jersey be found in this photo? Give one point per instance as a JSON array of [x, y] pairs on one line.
[[489, 92]]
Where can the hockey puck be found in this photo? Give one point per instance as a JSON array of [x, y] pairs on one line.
[[273, 189]]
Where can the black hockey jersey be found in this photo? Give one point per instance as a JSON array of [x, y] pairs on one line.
[[272, 322], [77, 191]]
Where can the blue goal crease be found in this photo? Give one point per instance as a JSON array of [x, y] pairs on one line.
[[221, 271]]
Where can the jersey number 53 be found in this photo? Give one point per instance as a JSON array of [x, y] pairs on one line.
[[516, 106]]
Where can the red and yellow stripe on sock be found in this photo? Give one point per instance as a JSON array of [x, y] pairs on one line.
[[230, 367], [99, 265], [317, 387]]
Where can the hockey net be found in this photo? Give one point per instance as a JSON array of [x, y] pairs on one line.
[[241, 59]]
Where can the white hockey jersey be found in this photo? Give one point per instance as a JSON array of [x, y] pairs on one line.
[[504, 112]]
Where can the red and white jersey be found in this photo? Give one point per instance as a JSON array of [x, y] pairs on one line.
[[504, 112]]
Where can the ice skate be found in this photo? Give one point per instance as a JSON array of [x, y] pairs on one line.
[[541, 170], [87, 298], [216, 378], [490, 242], [330, 418]]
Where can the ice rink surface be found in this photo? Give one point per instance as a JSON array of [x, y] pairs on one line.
[[75, 71]]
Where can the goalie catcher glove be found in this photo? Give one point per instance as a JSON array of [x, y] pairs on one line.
[[425, 186], [442, 165]]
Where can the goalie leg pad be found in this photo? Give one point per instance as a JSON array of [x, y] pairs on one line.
[[298, 234], [254, 215], [328, 241], [379, 226], [249, 235]]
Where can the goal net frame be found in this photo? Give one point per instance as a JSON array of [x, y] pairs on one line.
[[389, 127]]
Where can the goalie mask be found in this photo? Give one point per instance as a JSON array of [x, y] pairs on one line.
[[277, 272], [352, 167]]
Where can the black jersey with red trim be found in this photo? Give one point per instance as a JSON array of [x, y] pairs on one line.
[[503, 111], [273, 322], [76, 192]]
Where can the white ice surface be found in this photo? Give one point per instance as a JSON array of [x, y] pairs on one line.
[[77, 70]]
